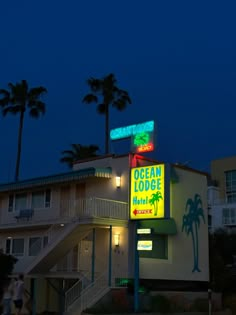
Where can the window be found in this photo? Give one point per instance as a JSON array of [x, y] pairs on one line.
[[41, 199], [159, 247], [229, 216], [225, 217], [17, 202], [8, 246], [18, 247], [11, 203], [230, 186], [36, 244]]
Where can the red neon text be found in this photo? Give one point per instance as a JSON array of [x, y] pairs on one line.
[[145, 148]]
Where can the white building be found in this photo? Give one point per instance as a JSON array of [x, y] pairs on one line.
[[222, 194], [74, 238]]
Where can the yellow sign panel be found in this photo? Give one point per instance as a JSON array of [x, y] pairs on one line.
[[147, 192]]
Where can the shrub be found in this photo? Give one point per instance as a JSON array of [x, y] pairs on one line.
[[230, 302], [200, 305], [160, 303]]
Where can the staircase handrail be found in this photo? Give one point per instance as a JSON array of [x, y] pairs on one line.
[[93, 206], [94, 290], [73, 293]]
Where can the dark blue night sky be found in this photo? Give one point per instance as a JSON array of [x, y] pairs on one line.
[[176, 59]]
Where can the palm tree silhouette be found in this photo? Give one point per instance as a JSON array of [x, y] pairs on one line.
[[110, 95], [156, 197], [17, 100], [191, 224], [78, 152]]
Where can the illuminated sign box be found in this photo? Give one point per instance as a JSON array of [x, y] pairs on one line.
[[132, 130], [144, 231], [144, 245], [147, 194], [142, 142]]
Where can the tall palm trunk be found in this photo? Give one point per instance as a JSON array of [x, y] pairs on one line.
[[107, 129], [19, 145]]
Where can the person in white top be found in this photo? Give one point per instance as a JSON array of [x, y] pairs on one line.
[[19, 291], [7, 297]]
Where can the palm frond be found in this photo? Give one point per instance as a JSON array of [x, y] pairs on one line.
[[90, 98], [189, 204], [102, 108], [12, 110], [5, 97], [95, 84], [78, 152], [69, 161], [36, 105], [37, 91]]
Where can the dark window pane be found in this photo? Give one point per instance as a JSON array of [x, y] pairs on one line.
[[18, 247], [20, 201], [38, 199], [48, 198], [34, 246], [45, 241], [10, 203], [8, 246]]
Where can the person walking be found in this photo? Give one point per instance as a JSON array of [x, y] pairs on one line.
[[7, 297], [19, 291]]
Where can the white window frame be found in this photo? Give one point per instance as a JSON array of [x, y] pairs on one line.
[[43, 244], [12, 201], [11, 246], [44, 192]]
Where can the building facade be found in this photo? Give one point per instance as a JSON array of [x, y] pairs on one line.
[[77, 234], [222, 194]]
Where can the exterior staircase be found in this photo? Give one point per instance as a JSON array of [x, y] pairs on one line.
[[60, 240], [78, 298], [62, 237]]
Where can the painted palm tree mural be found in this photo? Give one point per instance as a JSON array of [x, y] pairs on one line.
[[191, 225], [155, 200]]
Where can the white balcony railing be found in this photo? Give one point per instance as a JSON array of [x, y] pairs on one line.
[[68, 209]]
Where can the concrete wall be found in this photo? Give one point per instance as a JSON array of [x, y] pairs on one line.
[[39, 214], [179, 264], [107, 187]]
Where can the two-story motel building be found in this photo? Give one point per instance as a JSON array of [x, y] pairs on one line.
[[75, 233]]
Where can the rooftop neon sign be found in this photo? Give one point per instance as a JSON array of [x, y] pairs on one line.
[[132, 130]]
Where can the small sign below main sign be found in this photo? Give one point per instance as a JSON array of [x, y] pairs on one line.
[[144, 245], [144, 231]]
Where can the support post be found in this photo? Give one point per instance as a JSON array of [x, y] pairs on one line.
[[93, 256], [136, 271], [33, 295], [61, 296], [110, 256], [209, 302]]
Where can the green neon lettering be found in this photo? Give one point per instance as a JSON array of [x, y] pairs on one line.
[[136, 174], [158, 171], [152, 173], [125, 132], [141, 173]]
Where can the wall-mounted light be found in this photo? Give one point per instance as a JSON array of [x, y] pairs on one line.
[[118, 181], [117, 240]]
